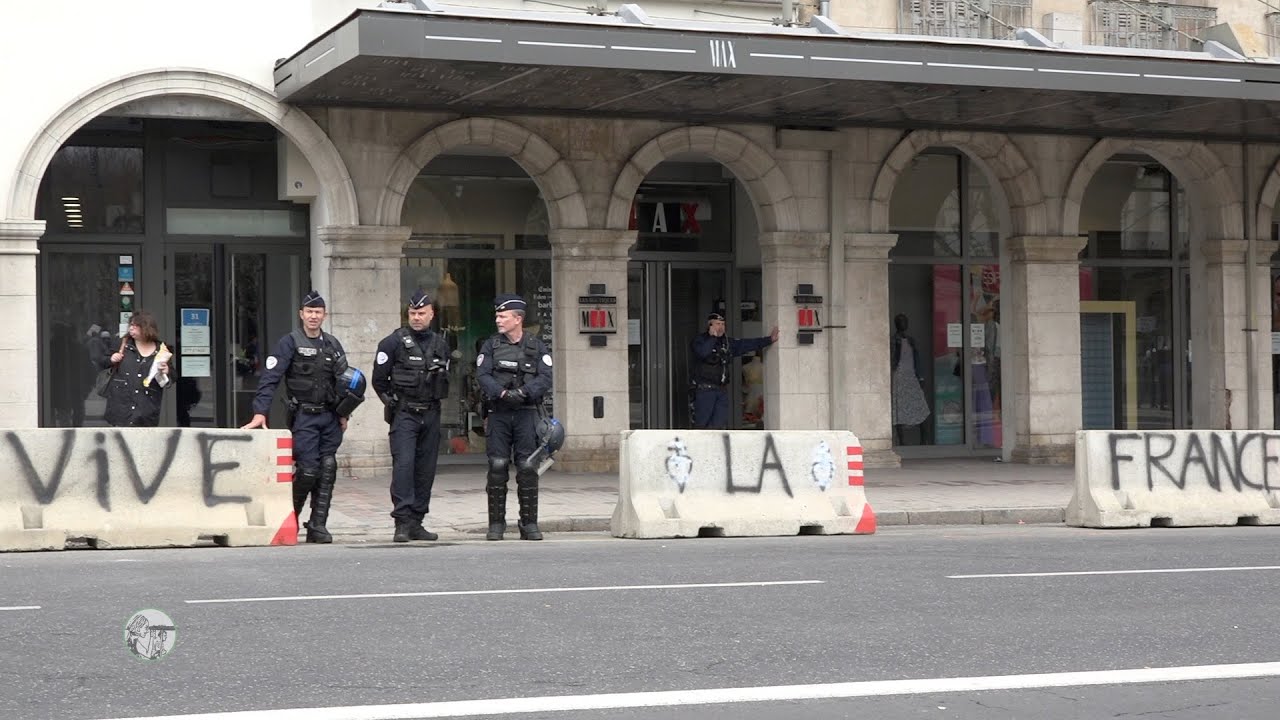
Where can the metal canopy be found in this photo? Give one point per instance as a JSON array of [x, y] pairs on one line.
[[500, 65]]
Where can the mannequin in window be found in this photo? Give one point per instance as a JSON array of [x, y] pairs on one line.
[[910, 408]]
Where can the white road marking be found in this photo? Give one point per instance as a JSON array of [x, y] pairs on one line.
[[724, 696], [21, 607], [1116, 572], [513, 591]]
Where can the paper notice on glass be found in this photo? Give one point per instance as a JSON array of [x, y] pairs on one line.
[[633, 331], [1275, 343], [195, 366], [193, 337], [955, 337], [977, 335]]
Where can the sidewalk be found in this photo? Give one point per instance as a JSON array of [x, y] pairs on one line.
[[922, 492]]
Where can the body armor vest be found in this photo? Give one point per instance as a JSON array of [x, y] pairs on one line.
[[714, 369], [514, 364], [417, 373], [309, 380]]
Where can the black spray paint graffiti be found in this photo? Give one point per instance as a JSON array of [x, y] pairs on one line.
[[46, 491], [766, 465], [1221, 465]]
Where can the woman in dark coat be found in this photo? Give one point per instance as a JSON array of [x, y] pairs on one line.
[[135, 390]]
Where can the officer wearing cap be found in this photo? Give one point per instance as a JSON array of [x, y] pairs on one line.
[[514, 372], [411, 377], [310, 361], [713, 355]]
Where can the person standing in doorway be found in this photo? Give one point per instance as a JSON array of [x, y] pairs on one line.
[[310, 361], [514, 371], [713, 354], [141, 375], [411, 377]]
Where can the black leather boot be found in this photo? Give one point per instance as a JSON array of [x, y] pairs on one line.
[[418, 532], [496, 488], [527, 494], [321, 497], [402, 531]]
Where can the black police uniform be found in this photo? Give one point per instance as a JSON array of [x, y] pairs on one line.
[[709, 374], [410, 375], [523, 370], [310, 368]]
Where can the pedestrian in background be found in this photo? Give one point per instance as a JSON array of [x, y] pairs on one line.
[[411, 377], [141, 375]]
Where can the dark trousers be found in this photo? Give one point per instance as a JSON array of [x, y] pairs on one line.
[[315, 435], [415, 447], [711, 408], [508, 430]]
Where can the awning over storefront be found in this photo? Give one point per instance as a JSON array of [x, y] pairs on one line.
[[819, 76]]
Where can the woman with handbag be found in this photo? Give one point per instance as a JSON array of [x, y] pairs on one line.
[[141, 373]]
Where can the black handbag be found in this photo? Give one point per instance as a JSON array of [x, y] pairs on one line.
[[102, 383]]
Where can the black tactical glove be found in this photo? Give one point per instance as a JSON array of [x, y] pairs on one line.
[[514, 398]]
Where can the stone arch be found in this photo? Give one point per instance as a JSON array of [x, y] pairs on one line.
[[769, 187], [1267, 197], [336, 187], [999, 158], [1199, 170], [550, 172]]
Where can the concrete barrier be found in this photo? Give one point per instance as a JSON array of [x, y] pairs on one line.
[[690, 483], [1172, 478], [145, 487]]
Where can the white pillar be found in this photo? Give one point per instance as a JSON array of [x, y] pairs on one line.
[[866, 347], [19, 386], [363, 280], [797, 392]]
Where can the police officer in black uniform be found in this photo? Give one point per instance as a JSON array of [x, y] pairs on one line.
[[713, 354], [514, 371], [311, 362], [410, 375]]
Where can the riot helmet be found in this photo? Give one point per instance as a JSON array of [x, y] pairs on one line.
[[550, 434], [349, 392]]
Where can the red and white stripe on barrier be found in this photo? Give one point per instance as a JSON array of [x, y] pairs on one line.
[[854, 454], [867, 521], [284, 459]]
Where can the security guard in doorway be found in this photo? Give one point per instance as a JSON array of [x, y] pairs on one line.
[[713, 354], [411, 377], [322, 392], [514, 372]]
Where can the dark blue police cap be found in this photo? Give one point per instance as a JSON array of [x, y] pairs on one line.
[[508, 301], [419, 300], [312, 299]]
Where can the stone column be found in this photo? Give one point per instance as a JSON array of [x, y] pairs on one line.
[[1043, 327], [364, 303], [579, 258], [866, 351], [19, 387], [796, 385], [1219, 348]]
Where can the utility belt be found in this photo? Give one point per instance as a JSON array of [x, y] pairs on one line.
[[307, 408], [708, 386], [417, 408]]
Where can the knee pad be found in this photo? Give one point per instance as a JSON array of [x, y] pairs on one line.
[[328, 466], [526, 474], [498, 470], [310, 472]]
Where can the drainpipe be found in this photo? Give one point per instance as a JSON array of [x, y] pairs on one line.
[[1251, 311], [837, 314], [788, 13], [824, 8]]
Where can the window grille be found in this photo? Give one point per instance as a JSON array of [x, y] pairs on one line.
[[1150, 25], [992, 19]]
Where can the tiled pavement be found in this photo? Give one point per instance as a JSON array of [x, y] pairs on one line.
[[950, 491]]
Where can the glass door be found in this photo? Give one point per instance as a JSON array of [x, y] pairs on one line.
[[667, 307], [231, 302]]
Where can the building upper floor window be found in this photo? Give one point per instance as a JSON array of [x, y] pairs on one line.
[[1150, 25], [1273, 34], [992, 19]]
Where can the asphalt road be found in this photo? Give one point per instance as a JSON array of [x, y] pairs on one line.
[[815, 627]]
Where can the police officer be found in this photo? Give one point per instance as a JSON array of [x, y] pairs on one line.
[[310, 361], [410, 375], [514, 372], [713, 355]]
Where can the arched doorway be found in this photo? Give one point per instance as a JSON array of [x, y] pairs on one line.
[[1135, 298], [944, 307]]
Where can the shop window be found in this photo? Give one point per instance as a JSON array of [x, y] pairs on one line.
[[93, 189]]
